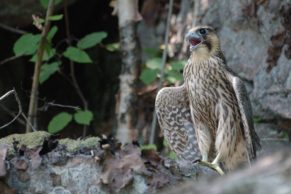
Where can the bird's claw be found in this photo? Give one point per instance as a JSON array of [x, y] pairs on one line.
[[213, 166]]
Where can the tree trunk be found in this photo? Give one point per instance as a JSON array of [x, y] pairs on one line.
[[130, 53]]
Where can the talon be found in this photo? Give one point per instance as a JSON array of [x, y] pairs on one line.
[[196, 161], [213, 166]]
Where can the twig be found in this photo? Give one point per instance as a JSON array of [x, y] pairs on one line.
[[12, 114], [274, 139], [32, 112], [9, 59], [166, 42], [47, 105], [19, 106], [11, 29], [28, 122], [72, 66]]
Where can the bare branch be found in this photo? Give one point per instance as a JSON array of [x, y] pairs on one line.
[[12, 114], [47, 105], [28, 122], [19, 106], [11, 29], [32, 112], [9, 59], [72, 66], [162, 70]]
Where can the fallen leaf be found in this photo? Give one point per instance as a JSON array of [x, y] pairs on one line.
[[120, 168]]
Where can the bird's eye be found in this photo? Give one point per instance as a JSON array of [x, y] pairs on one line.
[[202, 31]]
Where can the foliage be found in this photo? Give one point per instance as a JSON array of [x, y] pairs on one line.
[[61, 120], [171, 154], [26, 44], [152, 69], [83, 117], [77, 55], [91, 40], [53, 58], [148, 147]]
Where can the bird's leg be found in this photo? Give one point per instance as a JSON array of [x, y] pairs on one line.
[[214, 165]]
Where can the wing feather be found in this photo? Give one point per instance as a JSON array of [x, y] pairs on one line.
[[173, 112], [251, 137]]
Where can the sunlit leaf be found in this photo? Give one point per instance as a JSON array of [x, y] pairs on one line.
[[148, 75], [77, 55], [148, 147], [45, 3], [56, 17], [178, 65], [112, 47], [154, 63], [59, 122], [91, 40], [165, 143], [83, 117], [26, 45], [47, 70], [172, 155], [173, 76]]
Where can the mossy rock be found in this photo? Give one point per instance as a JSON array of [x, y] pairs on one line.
[[31, 140]]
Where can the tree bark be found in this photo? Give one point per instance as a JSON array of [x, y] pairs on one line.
[[130, 53]]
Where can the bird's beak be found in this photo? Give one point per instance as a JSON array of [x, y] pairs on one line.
[[194, 40]]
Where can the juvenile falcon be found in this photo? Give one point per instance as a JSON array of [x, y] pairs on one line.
[[218, 103]]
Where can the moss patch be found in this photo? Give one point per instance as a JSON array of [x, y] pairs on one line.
[[36, 138]]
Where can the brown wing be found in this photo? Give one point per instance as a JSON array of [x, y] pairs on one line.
[[251, 137], [173, 112]]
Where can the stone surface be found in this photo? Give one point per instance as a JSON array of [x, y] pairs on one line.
[[255, 38], [253, 35], [270, 174]]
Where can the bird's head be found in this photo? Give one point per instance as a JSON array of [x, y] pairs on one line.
[[203, 40]]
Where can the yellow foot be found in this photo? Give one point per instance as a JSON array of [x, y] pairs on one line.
[[213, 166]]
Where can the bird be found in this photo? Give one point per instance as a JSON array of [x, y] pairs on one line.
[[210, 115]]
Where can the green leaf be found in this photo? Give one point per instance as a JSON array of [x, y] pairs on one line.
[[47, 55], [112, 47], [257, 119], [148, 75], [56, 17], [154, 63], [59, 122], [26, 45], [172, 155], [173, 76], [165, 143], [52, 33], [178, 65], [47, 70], [152, 52], [45, 3], [83, 117], [148, 147], [91, 40], [77, 55]]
